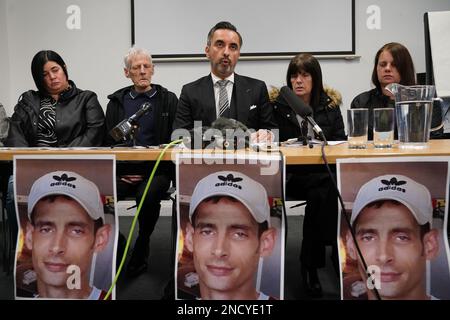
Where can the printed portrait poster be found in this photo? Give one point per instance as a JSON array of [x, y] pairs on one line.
[[398, 212], [67, 226], [231, 227]]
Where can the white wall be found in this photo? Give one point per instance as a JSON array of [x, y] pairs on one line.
[[400, 21], [94, 53], [4, 57]]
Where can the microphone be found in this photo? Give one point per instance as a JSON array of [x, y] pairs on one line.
[[143, 110], [224, 133], [234, 134], [127, 127], [301, 108]]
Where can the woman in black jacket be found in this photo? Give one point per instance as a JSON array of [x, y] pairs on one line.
[[58, 114], [304, 77], [392, 64]]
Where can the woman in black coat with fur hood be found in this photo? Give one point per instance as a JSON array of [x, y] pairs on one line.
[[311, 183]]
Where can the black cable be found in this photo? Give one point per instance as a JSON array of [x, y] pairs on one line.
[[341, 201], [283, 193], [325, 143]]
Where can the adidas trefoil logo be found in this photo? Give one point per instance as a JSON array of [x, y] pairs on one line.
[[229, 180], [392, 184], [63, 180]]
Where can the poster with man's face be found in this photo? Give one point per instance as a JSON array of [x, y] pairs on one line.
[[230, 228], [67, 227], [393, 230]]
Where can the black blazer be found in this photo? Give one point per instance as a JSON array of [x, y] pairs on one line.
[[249, 104]]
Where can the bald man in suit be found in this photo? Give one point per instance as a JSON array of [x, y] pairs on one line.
[[247, 97]]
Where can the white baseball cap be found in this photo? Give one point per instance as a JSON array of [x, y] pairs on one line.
[[71, 184], [413, 195], [249, 192]]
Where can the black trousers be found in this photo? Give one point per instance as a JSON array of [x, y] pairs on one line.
[[320, 223], [149, 214]]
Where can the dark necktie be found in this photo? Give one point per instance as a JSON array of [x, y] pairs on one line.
[[223, 98]]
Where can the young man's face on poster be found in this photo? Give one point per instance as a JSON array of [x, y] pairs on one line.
[[390, 238], [62, 235], [226, 246]]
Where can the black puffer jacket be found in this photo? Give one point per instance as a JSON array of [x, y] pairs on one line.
[[79, 120], [327, 115]]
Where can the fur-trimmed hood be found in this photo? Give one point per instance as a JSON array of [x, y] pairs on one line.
[[333, 94]]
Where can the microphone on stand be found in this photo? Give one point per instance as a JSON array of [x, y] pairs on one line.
[[302, 109], [127, 127], [224, 133]]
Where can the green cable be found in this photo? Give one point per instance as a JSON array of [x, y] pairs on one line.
[[137, 215]]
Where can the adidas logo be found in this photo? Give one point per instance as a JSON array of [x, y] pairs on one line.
[[64, 180], [229, 181], [392, 184]]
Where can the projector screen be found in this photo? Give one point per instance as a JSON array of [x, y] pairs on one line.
[[178, 28]]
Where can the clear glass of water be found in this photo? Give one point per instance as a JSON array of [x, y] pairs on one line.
[[383, 127], [357, 120]]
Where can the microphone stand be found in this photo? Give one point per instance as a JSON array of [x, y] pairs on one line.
[[304, 137], [306, 141], [134, 133], [132, 136]]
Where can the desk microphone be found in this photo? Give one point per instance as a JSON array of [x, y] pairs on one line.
[[224, 133], [302, 109], [126, 127]]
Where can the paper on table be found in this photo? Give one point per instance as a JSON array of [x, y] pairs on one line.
[[292, 143]]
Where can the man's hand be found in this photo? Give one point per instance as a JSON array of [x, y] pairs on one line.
[[262, 136]]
